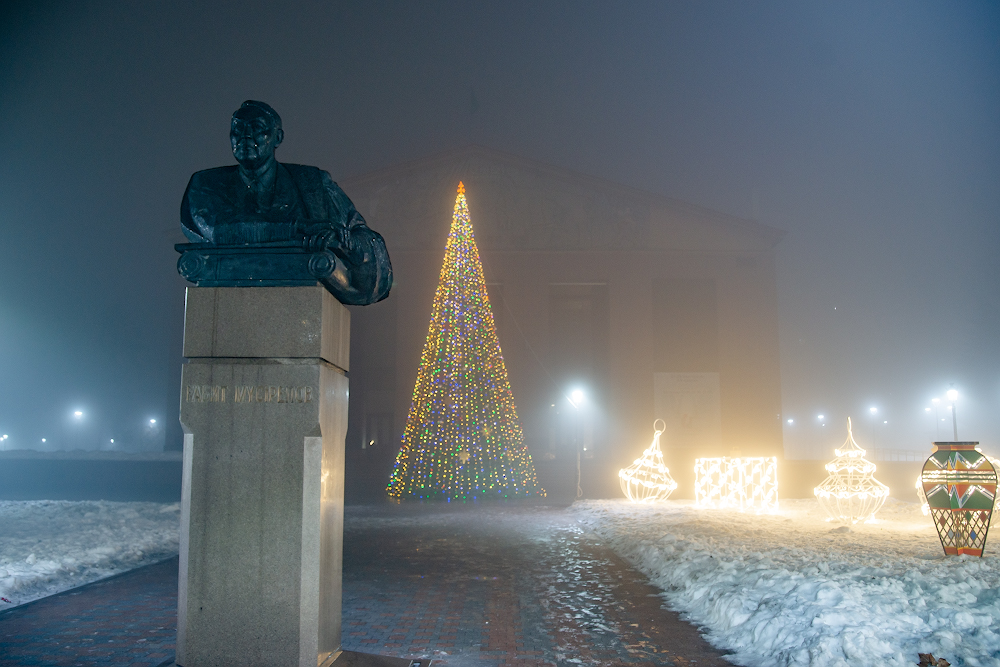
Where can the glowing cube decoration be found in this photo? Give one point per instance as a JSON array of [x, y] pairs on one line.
[[744, 483], [648, 480], [851, 493]]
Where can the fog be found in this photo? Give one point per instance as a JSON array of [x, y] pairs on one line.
[[867, 131]]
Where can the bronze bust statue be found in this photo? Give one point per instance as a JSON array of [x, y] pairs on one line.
[[262, 222]]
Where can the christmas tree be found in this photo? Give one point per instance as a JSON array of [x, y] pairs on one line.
[[463, 440]]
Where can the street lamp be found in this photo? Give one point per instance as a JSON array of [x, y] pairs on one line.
[[577, 398], [874, 412], [953, 397]]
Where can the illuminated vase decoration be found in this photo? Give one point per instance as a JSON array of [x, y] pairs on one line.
[[463, 440], [851, 494], [648, 480], [922, 497], [960, 484]]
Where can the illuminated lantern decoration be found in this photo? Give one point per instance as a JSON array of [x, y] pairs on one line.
[[745, 483], [648, 480], [960, 484], [926, 509], [851, 494], [463, 440]]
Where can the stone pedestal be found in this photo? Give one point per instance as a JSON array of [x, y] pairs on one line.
[[264, 410]]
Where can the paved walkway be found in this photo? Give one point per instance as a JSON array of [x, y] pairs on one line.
[[476, 586]]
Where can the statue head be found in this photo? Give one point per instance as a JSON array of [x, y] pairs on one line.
[[254, 133]]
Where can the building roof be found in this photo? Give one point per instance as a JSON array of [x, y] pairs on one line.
[[522, 204]]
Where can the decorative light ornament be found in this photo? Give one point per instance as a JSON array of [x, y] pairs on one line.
[[463, 440], [850, 494], [744, 483], [922, 497], [960, 484], [648, 480]]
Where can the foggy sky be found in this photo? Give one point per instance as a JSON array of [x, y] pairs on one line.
[[868, 131]]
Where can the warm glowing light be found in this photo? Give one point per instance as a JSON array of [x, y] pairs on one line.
[[739, 483], [647, 479], [463, 439], [850, 493]]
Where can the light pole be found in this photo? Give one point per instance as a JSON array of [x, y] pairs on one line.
[[874, 412], [577, 398], [953, 397]]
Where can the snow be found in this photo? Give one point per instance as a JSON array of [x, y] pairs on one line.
[[789, 588], [47, 546]]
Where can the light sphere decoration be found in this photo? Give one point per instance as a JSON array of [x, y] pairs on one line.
[[648, 480], [742, 483], [850, 493]]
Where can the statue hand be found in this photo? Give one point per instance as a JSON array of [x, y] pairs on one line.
[[321, 240]]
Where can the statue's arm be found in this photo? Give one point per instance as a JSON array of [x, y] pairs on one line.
[[188, 224], [362, 250]]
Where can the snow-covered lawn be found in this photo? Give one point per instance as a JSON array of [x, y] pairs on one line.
[[792, 589], [47, 546]]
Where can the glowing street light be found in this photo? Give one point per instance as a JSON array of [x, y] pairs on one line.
[[152, 421], [577, 397], [791, 421], [873, 410], [953, 397], [78, 414]]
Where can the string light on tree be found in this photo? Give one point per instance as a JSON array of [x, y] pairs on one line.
[[463, 440], [648, 480], [850, 493]]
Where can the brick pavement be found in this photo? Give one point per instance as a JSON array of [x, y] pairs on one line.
[[476, 586], [129, 620]]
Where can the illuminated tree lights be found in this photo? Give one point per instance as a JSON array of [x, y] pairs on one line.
[[462, 440], [648, 480], [850, 493], [746, 483]]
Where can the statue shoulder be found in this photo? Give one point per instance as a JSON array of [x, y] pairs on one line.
[[212, 178], [303, 173]]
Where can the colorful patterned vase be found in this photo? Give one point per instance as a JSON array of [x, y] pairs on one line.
[[960, 484]]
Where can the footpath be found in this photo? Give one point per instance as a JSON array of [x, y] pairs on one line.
[[472, 585]]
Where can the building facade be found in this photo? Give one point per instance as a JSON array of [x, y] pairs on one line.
[[647, 306]]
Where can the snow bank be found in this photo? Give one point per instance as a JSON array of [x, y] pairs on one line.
[[792, 589], [47, 546]]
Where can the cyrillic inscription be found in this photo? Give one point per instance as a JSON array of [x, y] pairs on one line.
[[272, 394], [207, 393]]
